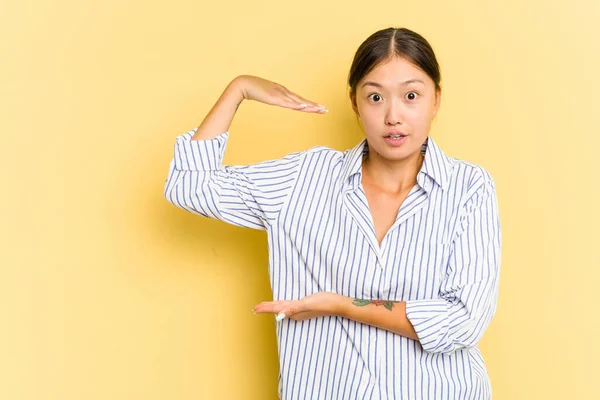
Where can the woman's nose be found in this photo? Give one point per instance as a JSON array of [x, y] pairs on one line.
[[393, 114]]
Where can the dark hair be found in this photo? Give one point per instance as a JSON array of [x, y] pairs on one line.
[[388, 43]]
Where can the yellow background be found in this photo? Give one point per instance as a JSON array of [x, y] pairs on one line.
[[109, 292]]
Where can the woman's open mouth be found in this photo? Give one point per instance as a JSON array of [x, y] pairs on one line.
[[395, 140]]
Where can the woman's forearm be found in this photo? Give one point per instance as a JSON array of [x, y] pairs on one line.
[[219, 118], [389, 315]]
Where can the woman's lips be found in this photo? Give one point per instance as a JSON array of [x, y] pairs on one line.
[[395, 142], [391, 133]]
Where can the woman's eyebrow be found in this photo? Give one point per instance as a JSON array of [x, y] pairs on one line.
[[371, 83]]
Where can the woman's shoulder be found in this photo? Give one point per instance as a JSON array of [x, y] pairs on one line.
[[325, 150], [469, 178], [470, 172], [322, 153]]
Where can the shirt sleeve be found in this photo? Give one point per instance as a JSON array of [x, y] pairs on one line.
[[468, 295], [249, 196]]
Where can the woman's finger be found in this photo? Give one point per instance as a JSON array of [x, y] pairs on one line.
[[311, 105], [288, 102], [301, 315], [301, 106], [286, 312], [301, 99], [282, 311], [272, 306]]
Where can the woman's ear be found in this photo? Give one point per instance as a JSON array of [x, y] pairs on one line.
[[438, 101], [353, 102]]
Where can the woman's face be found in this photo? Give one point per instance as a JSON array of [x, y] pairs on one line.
[[396, 96]]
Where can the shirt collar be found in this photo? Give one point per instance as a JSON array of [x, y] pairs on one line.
[[436, 164]]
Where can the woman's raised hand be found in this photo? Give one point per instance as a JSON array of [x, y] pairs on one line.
[[265, 91]]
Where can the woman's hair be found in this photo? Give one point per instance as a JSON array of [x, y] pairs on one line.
[[388, 43]]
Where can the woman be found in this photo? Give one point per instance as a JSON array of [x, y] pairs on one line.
[[384, 259]]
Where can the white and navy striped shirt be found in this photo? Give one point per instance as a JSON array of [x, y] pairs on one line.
[[441, 256]]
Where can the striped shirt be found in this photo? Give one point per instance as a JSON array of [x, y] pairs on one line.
[[441, 256]]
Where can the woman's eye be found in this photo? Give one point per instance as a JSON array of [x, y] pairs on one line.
[[411, 95], [376, 97]]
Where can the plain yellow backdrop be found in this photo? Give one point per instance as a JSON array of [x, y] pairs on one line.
[[109, 292]]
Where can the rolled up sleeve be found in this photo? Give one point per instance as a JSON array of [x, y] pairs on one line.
[[248, 196], [199, 155], [468, 296]]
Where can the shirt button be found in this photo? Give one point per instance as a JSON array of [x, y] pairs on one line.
[[373, 338], [372, 381]]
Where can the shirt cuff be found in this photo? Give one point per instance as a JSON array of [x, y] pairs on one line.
[[429, 318], [199, 155]]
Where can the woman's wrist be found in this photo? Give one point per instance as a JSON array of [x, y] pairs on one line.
[[338, 306], [237, 88], [219, 118]]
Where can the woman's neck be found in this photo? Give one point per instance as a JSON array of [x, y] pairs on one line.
[[392, 176]]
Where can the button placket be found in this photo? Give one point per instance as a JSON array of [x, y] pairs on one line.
[[370, 344], [376, 355]]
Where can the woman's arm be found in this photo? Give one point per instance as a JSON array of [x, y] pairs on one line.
[[389, 315], [248, 87], [219, 118], [248, 196]]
